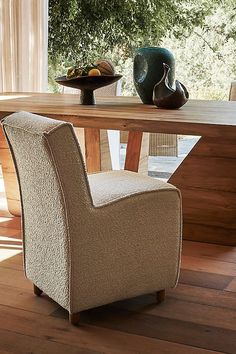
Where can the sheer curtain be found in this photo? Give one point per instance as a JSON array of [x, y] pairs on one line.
[[23, 45]]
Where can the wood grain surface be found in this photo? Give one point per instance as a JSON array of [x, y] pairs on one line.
[[197, 117], [92, 151], [206, 177], [133, 151]]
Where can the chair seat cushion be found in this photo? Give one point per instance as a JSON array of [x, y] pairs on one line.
[[111, 186]]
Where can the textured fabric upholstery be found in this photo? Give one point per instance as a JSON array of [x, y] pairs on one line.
[[91, 240], [110, 186]]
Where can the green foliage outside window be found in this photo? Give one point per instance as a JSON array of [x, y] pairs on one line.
[[201, 35]]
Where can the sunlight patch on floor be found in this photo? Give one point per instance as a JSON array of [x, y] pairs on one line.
[[6, 253], [9, 239], [9, 247], [4, 219], [3, 201]]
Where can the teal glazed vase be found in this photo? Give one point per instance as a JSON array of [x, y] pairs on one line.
[[148, 70]]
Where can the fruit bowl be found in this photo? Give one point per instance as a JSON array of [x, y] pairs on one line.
[[87, 84]]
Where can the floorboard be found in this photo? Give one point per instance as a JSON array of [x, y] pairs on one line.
[[168, 329], [202, 264], [209, 251], [198, 316], [204, 279], [207, 296], [16, 343], [204, 314]]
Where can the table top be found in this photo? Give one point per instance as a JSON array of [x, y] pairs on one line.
[[197, 117]]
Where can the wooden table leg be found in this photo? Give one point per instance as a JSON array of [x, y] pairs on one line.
[[133, 151], [92, 149]]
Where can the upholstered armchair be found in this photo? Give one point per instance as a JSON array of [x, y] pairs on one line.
[[90, 240]]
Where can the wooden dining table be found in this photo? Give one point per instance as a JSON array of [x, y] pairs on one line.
[[206, 177]]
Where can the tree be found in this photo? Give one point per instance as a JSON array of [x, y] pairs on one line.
[[80, 30], [200, 33], [205, 60]]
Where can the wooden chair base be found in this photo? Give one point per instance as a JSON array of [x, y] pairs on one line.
[[74, 318], [37, 291], [160, 296]]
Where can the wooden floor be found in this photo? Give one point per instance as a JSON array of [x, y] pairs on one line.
[[199, 316]]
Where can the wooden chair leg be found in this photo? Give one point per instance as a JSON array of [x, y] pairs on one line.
[[160, 296], [74, 318], [37, 291]]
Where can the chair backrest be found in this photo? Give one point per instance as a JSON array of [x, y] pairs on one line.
[[55, 194]]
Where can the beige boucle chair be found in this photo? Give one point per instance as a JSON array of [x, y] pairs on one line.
[[90, 240]]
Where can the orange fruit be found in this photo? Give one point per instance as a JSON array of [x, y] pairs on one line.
[[94, 72]]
